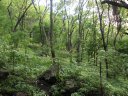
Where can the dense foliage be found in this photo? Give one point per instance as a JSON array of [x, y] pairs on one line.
[[85, 39]]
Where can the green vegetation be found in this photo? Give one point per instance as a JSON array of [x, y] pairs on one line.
[[63, 48]]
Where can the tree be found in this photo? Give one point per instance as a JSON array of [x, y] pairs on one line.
[[79, 48], [51, 32], [100, 14]]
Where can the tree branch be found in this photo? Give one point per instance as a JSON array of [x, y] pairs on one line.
[[20, 18], [118, 4]]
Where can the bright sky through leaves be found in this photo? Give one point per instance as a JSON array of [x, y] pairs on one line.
[[70, 8]]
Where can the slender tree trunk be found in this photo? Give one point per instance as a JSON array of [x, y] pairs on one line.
[[118, 31], [69, 43], [79, 58], [102, 35], [101, 85], [10, 14], [70, 30], [51, 32], [94, 39]]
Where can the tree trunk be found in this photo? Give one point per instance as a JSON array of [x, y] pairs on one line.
[[102, 35], [51, 32], [79, 58]]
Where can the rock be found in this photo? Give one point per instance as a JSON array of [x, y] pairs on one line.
[[70, 84], [93, 93], [48, 78], [70, 87], [50, 75], [2, 64], [3, 75], [5, 93], [21, 94]]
